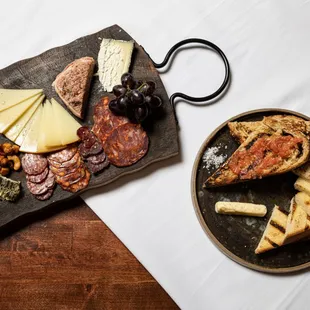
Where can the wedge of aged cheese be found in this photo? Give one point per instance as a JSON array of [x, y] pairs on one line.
[[66, 124], [240, 208], [11, 97], [274, 233], [12, 114], [113, 60], [50, 132], [14, 130], [298, 224], [302, 185]]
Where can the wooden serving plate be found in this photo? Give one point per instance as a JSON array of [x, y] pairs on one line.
[[40, 72], [238, 236]]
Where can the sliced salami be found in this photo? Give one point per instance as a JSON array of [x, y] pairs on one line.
[[63, 171], [105, 121], [95, 168], [45, 196], [65, 164], [87, 136], [37, 178], [71, 178], [126, 145], [82, 183], [97, 159], [96, 148], [34, 163], [43, 187], [63, 155]]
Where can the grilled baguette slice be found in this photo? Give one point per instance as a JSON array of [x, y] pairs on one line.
[[241, 130], [302, 185], [303, 171], [244, 165], [303, 200], [298, 224], [274, 233]]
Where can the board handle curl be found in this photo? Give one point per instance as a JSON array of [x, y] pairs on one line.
[[194, 100]]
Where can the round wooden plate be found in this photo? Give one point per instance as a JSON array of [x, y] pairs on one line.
[[238, 236]]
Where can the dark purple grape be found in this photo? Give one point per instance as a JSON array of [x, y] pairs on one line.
[[122, 103], [141, 113], [153, 102], [116, 108], [136, 97], [119, 90], [148, 88], [128, 81]]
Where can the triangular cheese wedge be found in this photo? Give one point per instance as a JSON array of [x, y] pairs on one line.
[[65, 123], [274, 233], [11, 115], [14, 130], [11, 97]]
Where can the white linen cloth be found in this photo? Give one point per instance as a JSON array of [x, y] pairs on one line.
[[268, 46]]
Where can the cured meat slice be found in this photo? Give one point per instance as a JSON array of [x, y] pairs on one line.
[[97, 159], [126, 145], [105, 121], [87, 136], [95, 168], [63, 171], [66, 164], [63, 155], [71, 178], [43, 187], [96, 148], [34, 163], [45, 196], [82, 183], [38, 178]]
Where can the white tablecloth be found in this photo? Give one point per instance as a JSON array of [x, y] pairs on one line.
[[268, 46]]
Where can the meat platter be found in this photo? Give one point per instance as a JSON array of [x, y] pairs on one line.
[[65, 101]]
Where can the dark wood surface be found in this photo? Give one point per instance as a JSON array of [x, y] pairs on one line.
[[67, 258], [40, 72], [238, 236]]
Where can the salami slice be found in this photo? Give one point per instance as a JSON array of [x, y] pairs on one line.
[[96, 148], [34, 163], [80, 184], [63, 171], [63, 155], [87, 136], [105, 121], [97, 159], [43, 187], [71, 178], [95, 168], [38, 178], [65, 164], [126, 145], [45, 196]]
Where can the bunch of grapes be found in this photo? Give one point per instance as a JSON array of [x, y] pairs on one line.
[[134, 99]]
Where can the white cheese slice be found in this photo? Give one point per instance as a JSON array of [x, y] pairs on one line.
[[240, 208], [14, 130], [11, 97], [113, 60], [66, 124], [12, 114]]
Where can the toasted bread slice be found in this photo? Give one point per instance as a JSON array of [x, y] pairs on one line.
[[303, 199], [264, 153], [303, 171], [241, 130], [73, 83], [274, 233], [302, 185], [298, 224]]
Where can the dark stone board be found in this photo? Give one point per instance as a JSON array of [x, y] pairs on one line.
[[40, 72], [238, 236]]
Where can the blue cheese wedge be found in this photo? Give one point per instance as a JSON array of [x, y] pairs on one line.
[[240, 208], [9, 189], [113, 60]]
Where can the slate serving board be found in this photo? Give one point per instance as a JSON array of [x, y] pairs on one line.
[[238, 236], [40, 72]]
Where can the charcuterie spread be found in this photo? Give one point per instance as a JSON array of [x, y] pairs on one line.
[[57, 148]]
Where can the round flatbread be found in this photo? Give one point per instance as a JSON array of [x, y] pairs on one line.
[[63, 155], [126, 145], [34, 163], [37, 178]]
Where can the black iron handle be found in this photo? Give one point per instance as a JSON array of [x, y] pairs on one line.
[[184, 96]]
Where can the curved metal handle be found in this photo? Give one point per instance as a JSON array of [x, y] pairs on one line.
[[184, 96]]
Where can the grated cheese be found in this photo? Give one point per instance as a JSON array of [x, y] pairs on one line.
[[210, 158]]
